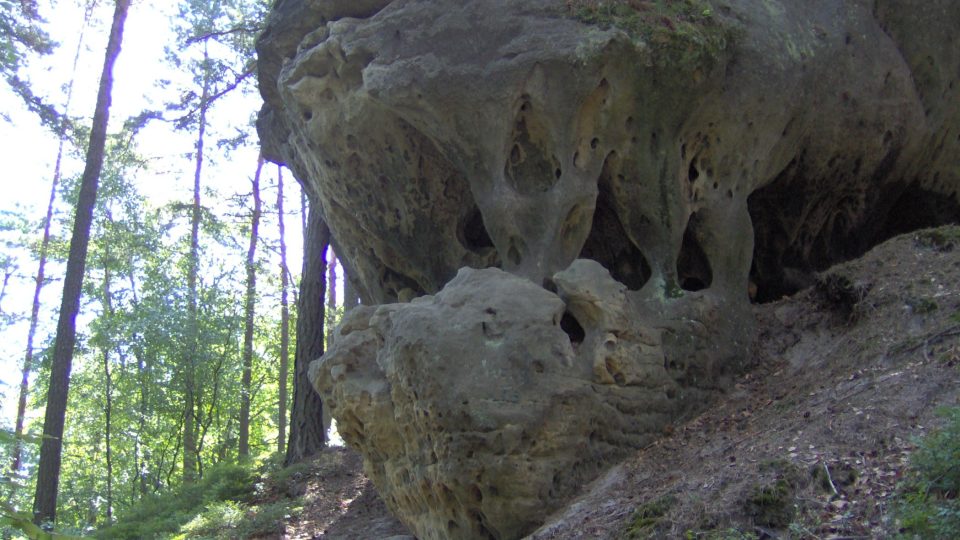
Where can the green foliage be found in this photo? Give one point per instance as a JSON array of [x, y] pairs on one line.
[[229, 520], [771, 504], [681, 32], [941, 239], [164, 515], [218, 506], [929, 507], [646, 517]]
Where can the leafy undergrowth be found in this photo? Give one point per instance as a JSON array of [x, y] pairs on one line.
[[929, 506], [225, 503], [326, 497]]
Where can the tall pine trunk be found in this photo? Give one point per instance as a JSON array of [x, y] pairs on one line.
[[190, 428], [42, 263], [48, 472], [108, 390], [284, 322], [307, 436], [244, 446]]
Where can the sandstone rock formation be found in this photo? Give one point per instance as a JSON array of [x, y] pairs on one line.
[[623, 173]]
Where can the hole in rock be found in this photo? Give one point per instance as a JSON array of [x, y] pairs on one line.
[[693, 268], [530, 168], [514, 253], [473, 234], [393, 283], [571, 326], [608, 243], [692, 172], [804, 223], [538, 366]]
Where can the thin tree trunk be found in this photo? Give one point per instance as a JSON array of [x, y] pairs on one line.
[[244, 446], [3, 291], [331, 294], [41, 265], [48, 472], [108, 391], [307, 436], [284, 322], [189, 379], [138, 460]]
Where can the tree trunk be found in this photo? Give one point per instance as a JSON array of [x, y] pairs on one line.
[[189, 378], [331, 295], [48, 471], [244, 445], [284, 322], [139, 462], [307, 436], [41, 265], [108, 392]]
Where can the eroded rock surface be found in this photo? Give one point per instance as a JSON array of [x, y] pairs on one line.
[[633, 177], [479, 409]]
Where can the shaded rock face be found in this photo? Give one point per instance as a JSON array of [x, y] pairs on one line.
[[624, 190], [479, 408]]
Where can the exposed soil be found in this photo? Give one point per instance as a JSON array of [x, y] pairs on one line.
[[811, 443]]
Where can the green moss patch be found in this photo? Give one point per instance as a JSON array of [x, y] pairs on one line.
[[646, 517], [680, 31]]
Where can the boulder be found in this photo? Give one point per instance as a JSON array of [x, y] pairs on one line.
[[624, 177], [481, 408]]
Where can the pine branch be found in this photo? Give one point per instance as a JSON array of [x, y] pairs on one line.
[[221, 33]]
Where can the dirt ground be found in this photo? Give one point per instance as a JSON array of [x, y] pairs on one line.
[[810, 443]]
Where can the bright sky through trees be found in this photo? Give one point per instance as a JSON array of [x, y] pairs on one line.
[[28, 150]]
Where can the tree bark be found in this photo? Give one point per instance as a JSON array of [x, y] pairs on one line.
[[42, 263], [331, 294], [284, 322], [190, 427], [244, 445], [307, 436], [108, 391], [48, 472]]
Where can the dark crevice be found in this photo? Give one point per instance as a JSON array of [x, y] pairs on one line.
[[693, 268], [571, 326], [808, 220], [918, 208], [393, 282], [608, 243], [473, 234], [692, 172]]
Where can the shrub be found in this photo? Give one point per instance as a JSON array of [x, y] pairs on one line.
[[929, 507], [163, 515]]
